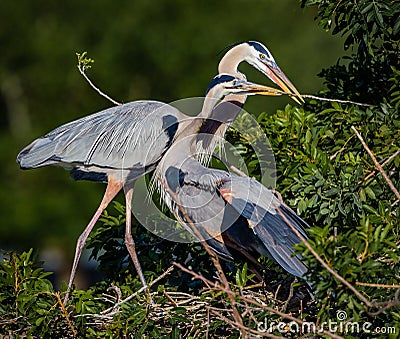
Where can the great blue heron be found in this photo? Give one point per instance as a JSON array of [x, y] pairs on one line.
[[111, 146], [237, 216]]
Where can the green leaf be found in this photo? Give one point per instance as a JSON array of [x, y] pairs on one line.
[[370, 193]]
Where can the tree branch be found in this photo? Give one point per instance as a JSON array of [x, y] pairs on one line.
[[84, 64], [377, 164]]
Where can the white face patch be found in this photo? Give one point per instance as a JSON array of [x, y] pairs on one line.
[[259, 56]]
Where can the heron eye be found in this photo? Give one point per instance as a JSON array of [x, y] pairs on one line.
[[262, 56]]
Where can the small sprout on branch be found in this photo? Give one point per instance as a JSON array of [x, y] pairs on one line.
[[84, 63]]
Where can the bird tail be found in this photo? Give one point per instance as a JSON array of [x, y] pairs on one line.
[[41, 152], [279, 238]]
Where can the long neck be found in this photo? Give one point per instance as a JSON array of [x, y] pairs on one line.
[[212, 115], [229, 64], [203, 133], [208, 121], [230, 61], [212, 122]]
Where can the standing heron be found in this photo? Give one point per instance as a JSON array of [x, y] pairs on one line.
[[237, 216], [112, 146]]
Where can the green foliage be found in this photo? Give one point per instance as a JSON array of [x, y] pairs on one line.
[[362, 20], [372, 29], [242, 277], [28, 302], [323, 170], [30, 308]]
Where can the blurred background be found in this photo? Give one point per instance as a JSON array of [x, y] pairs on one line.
[[162, 50]]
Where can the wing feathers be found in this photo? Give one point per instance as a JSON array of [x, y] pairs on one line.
[[259, 206], [125, 136]]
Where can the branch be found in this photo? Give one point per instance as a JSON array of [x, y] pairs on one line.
[[376, 285], [377, 164], [336, 100], [250, 301], [64, 312], [84, 64], [394, 155], [168, 271], [309, 96]]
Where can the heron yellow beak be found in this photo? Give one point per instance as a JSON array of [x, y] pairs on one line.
[[276, 75], [250, 88]]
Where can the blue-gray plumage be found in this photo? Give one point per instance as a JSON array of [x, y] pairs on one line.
[[236, 215], [116, 138], [259, 207], [121, 143]]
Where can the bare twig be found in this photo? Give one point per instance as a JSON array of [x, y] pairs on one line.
[[376, 285], [394, 155], [291, 291], [308, 96], [170, 298], [82, 66], [260, 284], [377, 164], [333, 156], [278, 195], [117, 292], [162, 276], [208, 322], [65, 313], [248, 300]]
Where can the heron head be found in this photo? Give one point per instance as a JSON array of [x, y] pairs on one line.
[[257, 55], [226, 84]]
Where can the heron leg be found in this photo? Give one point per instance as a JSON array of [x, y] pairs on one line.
[[113, 187], [129, 242]]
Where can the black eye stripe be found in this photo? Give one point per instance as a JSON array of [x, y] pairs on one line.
[[260, 48]]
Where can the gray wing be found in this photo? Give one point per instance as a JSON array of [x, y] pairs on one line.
[[221, 224], [133, 135], [194, 187], [260, 207]]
